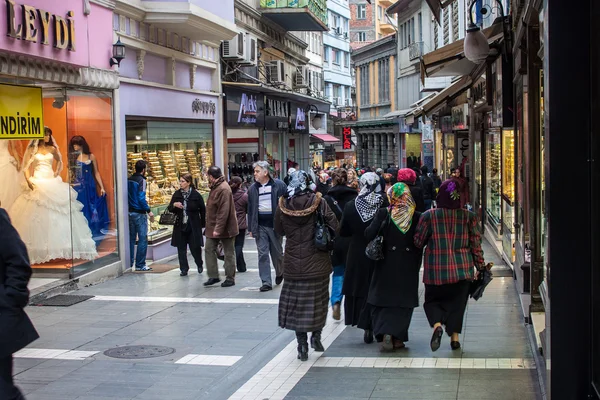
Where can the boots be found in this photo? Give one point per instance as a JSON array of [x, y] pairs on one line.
[[302, 338], [315, 341]]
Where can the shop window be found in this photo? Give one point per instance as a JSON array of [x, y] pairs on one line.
[[494, 184], [60, 191], [170, 149], [508, 174]]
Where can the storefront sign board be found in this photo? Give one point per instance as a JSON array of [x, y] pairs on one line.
[[21, 112], [460, 117], [347, 138], [277, 114], [244, 109], [299, 118]]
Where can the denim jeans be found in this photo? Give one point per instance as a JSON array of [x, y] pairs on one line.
[[428, 204], [138, 228], [336, 284]]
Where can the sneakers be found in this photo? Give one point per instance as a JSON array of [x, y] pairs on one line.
[[265, 288], [228, 283], [144, 268]]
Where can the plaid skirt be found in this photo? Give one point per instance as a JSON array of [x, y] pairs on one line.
[[303, 305]]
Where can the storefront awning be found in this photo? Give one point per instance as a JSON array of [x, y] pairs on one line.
[[324, 137], [450, 60], [397, 114], [457, 87], [322, 105]]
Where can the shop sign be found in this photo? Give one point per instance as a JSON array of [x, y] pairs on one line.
[[21, 112], [277, 114], [479, 92], [204, 107], [244, 109], [446, 124], [300, 119], [347, 138], [277, 108], [37, 26], [460, 115], [426, 132]]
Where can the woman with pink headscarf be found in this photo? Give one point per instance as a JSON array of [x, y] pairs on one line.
[[409, 176]]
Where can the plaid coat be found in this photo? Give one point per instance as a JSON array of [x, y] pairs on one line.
[[453, 243]]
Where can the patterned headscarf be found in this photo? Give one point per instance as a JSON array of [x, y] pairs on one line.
[[448, 195], [407, 175], [298, 183], [369, 199], [402, 206]]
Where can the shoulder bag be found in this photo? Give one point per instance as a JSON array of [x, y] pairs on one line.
[[374, 250], [167, 218], [324, 235]]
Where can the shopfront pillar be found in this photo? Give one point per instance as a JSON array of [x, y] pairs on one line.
[[359, 148], [376, 150], [390, 148]]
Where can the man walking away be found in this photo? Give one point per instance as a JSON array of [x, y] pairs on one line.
[[240, 201], [221, 225], [139, 210], [263, 199], [428, 187], [437, 181], [16, 329]]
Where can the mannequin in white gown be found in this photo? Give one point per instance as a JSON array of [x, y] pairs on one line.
[[10, 177], [48, 217]]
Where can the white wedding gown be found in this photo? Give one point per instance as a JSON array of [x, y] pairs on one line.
[[49, 217], [11, 180]]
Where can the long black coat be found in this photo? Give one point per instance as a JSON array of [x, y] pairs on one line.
[[16, 329], [359, 268], [416, 191], [196, 211], [341, 194], [395, 281]]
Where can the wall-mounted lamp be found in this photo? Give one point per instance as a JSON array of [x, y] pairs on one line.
[[118, 53], [476, 46], [317, 121]]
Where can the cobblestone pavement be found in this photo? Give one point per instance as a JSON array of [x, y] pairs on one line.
[[228, 346]]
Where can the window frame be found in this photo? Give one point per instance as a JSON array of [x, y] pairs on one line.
[[361, 11]]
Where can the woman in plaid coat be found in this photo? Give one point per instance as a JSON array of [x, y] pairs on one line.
[[453, 241]]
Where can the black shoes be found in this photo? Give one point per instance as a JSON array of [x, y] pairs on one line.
[[368, 337], [455, 345], [315, 341], [228, 283], [241, 269], [278, 279], [211, 281], [183, 273], [265, 288], [200, 269], [436, 338], [302, 338]]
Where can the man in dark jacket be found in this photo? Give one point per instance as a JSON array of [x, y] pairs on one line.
[[221, 226], [139, 210], [263, 200], [428, 187], [16, 329]]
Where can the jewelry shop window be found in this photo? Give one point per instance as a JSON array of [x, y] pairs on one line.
[[170, 149]]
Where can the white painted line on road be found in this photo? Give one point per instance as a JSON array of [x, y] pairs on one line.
[[54, 354], [409, 362], [207, 359], [276, 379], [205, 300]]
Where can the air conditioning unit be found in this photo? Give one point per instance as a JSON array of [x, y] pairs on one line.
[[337, 101], [251, 55], [275, 71], [338, 31], [302, 76], [235, 49]]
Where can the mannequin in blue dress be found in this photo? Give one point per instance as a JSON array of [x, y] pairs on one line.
[[86, 180]]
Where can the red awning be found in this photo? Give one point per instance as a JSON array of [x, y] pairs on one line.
[[325, 137]]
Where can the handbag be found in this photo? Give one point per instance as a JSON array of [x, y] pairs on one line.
[[374, 250], [167, 218], [479, 284], [324, 235]]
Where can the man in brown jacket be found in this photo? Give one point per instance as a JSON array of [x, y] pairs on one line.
[[221, 226]]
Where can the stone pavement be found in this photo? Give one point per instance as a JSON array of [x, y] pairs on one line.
[[228, 346]]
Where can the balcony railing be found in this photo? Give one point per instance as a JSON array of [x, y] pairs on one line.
[[415, 50]]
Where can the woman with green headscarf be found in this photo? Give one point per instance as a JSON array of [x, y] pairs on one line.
[[394, 289]]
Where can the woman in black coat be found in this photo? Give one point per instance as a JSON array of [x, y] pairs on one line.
[[187, 203], [409, 176], [337, 197], [394, 290], [16, 329], [356, 218]]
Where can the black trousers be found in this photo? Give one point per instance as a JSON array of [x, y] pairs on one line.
[[8, 390], [239, 253], [187, 239], [446, 304]]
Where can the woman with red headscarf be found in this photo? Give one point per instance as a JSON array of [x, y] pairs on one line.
[[451, 234]]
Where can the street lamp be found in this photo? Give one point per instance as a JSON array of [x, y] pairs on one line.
[[476, 46]]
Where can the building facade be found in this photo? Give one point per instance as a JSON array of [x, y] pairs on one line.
[[370, 22]]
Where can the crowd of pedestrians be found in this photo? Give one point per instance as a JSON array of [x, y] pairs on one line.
[[407, 209]]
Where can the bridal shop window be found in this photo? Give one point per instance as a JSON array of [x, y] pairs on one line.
[[59, 190], [170, 149]]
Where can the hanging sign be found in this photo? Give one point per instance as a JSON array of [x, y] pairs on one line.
[[347, 138], [21, 112]]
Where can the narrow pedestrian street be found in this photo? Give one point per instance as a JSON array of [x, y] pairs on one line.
[[227, 345]]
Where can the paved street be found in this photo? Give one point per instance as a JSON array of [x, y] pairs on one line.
[[228, 346]]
